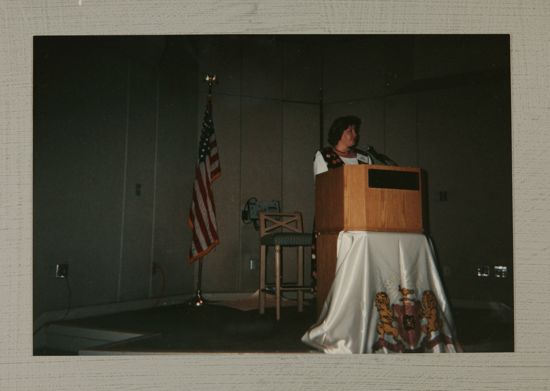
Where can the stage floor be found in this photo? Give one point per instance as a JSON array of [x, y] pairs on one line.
[[223, 328]]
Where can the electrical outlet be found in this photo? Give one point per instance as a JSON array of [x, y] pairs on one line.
[[253, 264], [61, 270], [500, 271], [483, 271]]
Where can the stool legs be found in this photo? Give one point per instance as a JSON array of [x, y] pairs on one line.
[[263, 255], [300, 278], [278, 278], [278, 281]]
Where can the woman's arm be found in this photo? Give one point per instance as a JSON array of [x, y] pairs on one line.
[[319, 164]]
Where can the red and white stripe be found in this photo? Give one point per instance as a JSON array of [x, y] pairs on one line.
[[202, 214], [214, 159]]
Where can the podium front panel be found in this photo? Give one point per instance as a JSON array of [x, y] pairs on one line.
[[369, 198]]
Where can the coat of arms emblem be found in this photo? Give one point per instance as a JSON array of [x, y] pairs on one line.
[[411, 325]]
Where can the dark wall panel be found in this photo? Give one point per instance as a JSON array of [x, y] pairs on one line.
[[100, 128], [79, 123], [362, 67], [175, 170], [400, 129], [300, 134], [262, 67], [135, 267], [443, 55], [302, 70], [468, 157]]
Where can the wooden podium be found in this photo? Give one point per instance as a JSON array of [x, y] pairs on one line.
[[362, 198]]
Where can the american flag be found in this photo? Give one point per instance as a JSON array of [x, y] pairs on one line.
[[202, 214]]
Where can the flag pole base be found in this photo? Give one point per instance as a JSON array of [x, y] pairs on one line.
[[198, 300]]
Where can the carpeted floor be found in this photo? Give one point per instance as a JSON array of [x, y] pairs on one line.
[[211, 328], [222, 327]]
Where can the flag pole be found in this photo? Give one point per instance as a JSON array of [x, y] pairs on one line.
[[198, 299]]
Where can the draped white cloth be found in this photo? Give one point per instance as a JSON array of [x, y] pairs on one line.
[[386, 297]]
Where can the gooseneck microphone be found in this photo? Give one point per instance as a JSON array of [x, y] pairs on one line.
[[375, 155]]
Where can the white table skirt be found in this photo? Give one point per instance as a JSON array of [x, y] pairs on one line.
[[386, 297]]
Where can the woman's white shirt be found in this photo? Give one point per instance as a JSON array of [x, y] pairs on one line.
[[320, 165]]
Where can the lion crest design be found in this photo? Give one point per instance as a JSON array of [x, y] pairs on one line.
[[385, 324], [411, 324], [429, 312]]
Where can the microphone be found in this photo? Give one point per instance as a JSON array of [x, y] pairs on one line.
[[375, 155]]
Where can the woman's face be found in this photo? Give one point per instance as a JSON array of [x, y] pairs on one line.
[[349, 136]]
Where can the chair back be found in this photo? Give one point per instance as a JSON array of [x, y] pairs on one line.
[[271, 222]]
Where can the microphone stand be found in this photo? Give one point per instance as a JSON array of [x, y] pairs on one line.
[[378, 156]]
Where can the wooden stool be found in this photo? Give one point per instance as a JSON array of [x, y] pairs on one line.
[[282, 230]]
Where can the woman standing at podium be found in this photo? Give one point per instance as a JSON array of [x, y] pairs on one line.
[[343, 136]]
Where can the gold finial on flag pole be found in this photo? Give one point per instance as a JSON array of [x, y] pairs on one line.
[[211, 79]]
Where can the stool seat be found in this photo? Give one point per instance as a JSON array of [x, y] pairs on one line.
[[287, 239]]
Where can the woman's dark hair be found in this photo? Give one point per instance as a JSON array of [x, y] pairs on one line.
[[339, 125]]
